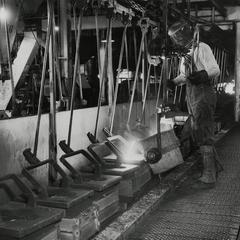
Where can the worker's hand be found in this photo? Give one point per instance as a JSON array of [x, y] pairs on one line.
[[199, 77]]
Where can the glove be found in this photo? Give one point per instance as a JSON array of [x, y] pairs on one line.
[[199, 77]]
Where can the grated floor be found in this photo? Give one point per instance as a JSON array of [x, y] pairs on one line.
[[213, 214]]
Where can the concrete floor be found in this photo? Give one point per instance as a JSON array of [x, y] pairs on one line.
[[213, 214]]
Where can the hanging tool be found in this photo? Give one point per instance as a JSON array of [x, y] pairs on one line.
[[144, 24], [52, 94], [76, 65], [49, 31], [78, 28], [9, 63], [96, 4], [93, 138], [118, 77]]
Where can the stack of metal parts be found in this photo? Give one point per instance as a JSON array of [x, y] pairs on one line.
[[21, 217], [85, 209]]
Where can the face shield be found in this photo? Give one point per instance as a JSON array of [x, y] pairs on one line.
[[180, 33]]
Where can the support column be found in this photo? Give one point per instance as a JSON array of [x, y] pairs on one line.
[[64, 40], [52, 114], [237, 73]]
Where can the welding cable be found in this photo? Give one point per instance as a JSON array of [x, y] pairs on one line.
[[118, 77], [135, 78], [49, 31], [74, 77], [103, 74]]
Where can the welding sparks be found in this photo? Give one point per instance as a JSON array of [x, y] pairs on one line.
[[133, 152]]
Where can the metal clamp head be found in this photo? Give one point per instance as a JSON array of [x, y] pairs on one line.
[[144, 24]]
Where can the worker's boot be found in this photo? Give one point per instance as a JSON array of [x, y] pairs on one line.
[[208, 178]]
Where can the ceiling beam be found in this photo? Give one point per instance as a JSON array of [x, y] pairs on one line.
[[222, 10]]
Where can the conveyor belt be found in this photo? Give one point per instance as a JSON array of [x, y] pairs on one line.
[[189, 214]]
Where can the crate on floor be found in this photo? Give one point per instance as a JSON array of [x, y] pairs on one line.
[[171, 154]]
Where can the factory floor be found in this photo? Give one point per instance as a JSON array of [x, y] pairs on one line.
[[212, 214]]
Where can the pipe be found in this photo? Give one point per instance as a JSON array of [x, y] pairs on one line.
[[10, 63], [117, 79], [102, 76], [135, 78], [43, 81], [74, 79]]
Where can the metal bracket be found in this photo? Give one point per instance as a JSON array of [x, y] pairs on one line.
[[144, 24], [24, 188], [74, 172], [65, 181]]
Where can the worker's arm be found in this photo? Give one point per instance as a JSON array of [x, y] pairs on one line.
[[205, 60], [181, 78], [206, 66]]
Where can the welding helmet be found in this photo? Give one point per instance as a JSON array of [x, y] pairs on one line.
[[181, 33]]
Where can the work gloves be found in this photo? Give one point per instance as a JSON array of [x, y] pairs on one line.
[[199, 77]]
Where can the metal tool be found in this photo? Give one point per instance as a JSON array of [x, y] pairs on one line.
[[144, 24]]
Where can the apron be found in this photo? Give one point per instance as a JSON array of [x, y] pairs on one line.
[[201, 101]]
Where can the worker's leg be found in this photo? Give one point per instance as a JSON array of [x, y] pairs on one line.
[[203, 133]]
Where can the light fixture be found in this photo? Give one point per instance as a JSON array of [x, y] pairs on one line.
[[4, 14], [56, 28]]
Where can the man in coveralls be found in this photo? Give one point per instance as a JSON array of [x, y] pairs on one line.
[[198, 69], [198, 75]]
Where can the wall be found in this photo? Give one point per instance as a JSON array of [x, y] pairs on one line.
[[18, 134]]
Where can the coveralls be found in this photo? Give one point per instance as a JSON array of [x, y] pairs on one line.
[[201, 98], [201, 101]]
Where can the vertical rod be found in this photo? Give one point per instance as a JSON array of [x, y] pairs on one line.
[[64, 38], [237, 73], [103, 75], [160, 85], [135, 79], [117, 79], [52, 115], [9, 62], [74, 80], [98, 44], [127, 62], [49, 30], [146, 90]]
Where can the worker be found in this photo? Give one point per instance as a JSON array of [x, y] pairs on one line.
[[198, 69]]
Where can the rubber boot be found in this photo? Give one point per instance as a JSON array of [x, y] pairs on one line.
[[208, 178]]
